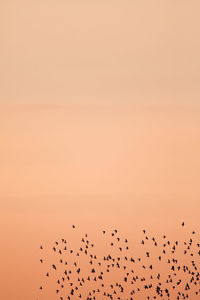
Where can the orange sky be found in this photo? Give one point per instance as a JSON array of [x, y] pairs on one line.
[[99, 122]]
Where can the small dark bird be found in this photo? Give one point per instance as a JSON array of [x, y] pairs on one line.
[[169, 285]]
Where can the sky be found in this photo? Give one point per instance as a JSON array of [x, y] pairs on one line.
[[99, 122]]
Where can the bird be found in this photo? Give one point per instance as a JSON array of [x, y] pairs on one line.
[[180, 280]]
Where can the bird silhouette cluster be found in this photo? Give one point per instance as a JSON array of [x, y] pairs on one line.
[[164, 269]]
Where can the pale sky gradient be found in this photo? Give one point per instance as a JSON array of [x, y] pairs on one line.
[[99, 51], [99, 120]]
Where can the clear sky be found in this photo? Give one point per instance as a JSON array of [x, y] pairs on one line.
[[99, 117]]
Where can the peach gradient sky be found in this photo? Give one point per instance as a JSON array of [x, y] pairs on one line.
[[99, 122]]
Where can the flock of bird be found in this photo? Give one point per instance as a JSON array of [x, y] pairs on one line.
[[164, 269]]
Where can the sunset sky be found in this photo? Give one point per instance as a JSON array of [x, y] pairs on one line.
[[99, 123]]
